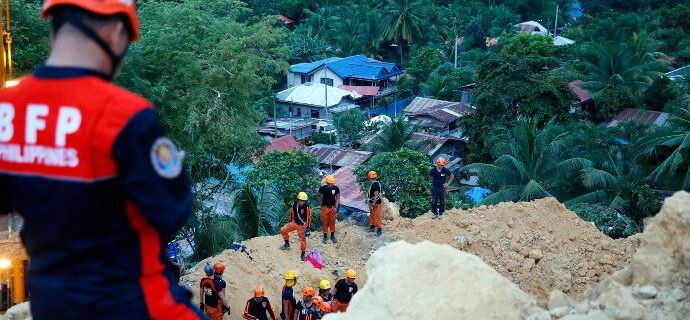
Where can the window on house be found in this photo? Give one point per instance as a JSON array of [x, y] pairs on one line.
[[315, 114], [290, 110], [327, 81], [306, 78], [299, 112]]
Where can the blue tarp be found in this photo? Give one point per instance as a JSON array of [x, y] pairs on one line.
[[477, 194], [394, 109]]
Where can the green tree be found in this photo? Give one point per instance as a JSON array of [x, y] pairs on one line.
[[670, 146], [205, 80], [608, 220], [30, 41], [511, 86], [404, 177], [530, 162], [287, 172], [404, 21], [259, 210], [394, 136], [529, 44], [349, 124], [424, 61]]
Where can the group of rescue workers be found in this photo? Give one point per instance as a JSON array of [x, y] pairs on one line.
[[312, 306], [328, 198]]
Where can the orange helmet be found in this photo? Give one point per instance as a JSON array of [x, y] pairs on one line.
[[441, 161], [372, 175], [219, 267], [128, 8], [308, 292], [258, 292]]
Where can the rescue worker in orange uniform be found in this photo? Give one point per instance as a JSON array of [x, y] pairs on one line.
[[344, 290], [300, 221], [258, 308], [329, 201], [323, 307], [375, 194], [88, 166], [441, 178], [306, 309], [206, 282], [214, 299], [288, 297]]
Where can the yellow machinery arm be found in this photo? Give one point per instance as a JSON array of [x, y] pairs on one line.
[[6, 44]]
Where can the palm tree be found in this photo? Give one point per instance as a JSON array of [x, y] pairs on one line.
[[634, 64], [347, 31], [320, 20], [403, 21], [394, 136], [439, 87], [670, 144], [530, 163], [372, 32], [259, 211]]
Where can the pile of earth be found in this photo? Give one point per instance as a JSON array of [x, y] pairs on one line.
[[431, 281], [540, 246]]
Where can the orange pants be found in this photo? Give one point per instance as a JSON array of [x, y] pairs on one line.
[[214, 313], [375, 216], [337, 306], [290, 227], [328, 219]]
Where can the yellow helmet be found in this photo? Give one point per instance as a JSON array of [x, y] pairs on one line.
[[324, 284], [330, 179], [291, 275], [302, 196], [351, 274], [372, 175]]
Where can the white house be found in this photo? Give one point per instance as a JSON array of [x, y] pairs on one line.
[[354, 71]]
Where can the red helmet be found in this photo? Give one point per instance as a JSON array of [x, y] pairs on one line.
[[102, 7], [219, 267]]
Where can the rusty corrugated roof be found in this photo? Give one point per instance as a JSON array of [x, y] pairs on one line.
[[642, 116], [339, 157], [436, 113]]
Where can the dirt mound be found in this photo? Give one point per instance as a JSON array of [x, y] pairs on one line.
[[656, 284], [430, 281], [540, 246]]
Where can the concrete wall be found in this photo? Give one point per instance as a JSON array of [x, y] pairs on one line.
[[295, 79]]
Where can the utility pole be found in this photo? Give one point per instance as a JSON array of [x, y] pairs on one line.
[[555, 25], [455, 65]]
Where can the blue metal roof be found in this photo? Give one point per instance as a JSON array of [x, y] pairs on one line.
[[357, 67]]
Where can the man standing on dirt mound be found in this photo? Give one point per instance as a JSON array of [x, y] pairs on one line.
[[441, 179], [300, 221], [329, 201], [344, 290], [216, 302], [375, 194], [88, 166]]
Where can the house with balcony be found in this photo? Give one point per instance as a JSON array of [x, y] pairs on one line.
[[358, 73]]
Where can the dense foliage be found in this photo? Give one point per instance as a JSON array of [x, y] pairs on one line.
[[212, 69], [404, 177]]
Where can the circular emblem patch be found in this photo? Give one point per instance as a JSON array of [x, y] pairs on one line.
[[165, 158]]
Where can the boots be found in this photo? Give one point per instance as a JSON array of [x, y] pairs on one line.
[[333, 238], [301, 257], [371, 229], [325, 238], [285, 246], [379, 232]]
